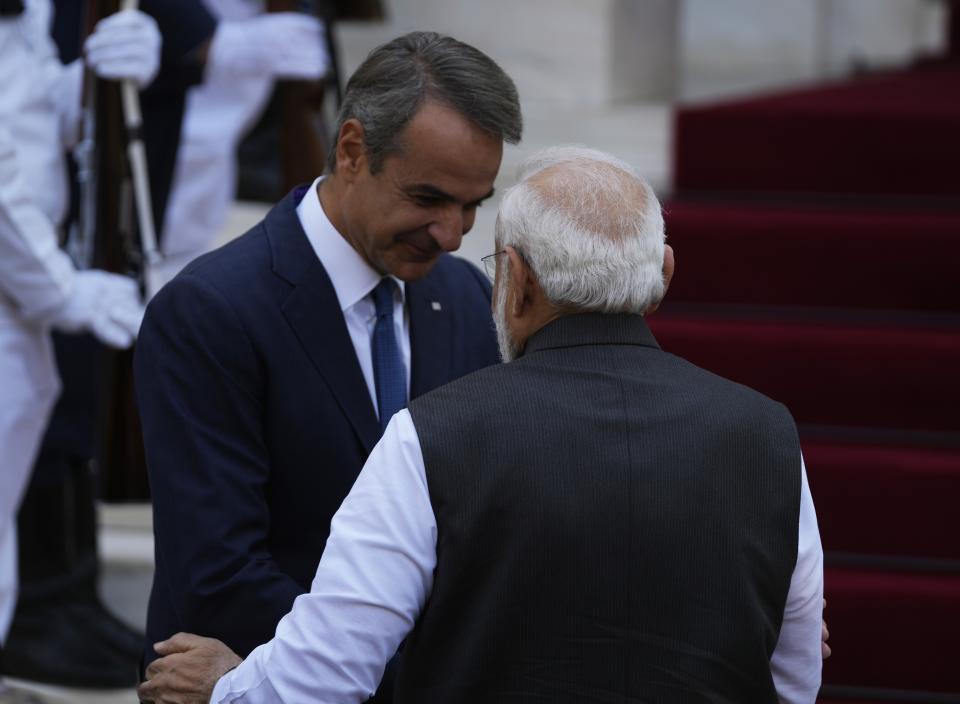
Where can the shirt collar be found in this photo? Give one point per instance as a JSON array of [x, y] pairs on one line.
[[352, 278]]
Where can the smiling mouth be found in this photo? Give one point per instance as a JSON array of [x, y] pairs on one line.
[[421, 253]]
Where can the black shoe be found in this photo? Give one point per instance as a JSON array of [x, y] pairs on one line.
[[60, 645]]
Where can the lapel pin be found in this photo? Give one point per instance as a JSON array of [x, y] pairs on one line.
[[436, 305]]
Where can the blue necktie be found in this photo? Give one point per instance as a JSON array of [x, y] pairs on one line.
[[389, 374]]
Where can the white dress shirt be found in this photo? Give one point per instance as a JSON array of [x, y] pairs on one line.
[[376, 574], [353, 280]]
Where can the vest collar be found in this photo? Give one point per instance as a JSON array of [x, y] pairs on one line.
[[592, 329]]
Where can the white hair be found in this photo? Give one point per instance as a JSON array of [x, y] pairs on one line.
[[590, 229]]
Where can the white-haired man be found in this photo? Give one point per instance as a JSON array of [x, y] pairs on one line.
[[596, 521]]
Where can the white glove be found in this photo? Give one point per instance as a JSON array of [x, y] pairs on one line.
[[125, 46], [278, 45], [108, 305]]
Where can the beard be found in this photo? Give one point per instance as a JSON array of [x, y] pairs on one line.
[[509, 350]]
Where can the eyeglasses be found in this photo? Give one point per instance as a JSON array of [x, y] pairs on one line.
[[490, 263]]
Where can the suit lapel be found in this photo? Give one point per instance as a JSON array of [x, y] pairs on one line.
[[313, 311], [430, 337]]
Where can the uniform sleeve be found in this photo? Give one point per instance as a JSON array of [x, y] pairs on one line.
[[200, 394], [185, 26], [797, 662], [62, 84], [34, 272], [371, 585]]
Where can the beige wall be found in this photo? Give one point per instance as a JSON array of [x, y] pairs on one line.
[[737, 46], [590, 53], [559, 52]]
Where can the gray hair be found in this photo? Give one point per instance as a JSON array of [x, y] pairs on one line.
[[589, 227], [397, 77]]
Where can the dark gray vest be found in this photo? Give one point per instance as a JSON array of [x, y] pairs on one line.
[[614, 525]]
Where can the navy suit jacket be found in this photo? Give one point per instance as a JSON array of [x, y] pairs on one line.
[[257, 420]]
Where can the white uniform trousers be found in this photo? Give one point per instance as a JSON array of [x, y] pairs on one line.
[[29, 386]]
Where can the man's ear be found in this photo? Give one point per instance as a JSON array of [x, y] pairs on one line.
[[351, 151], [519, 282], [669, 264]]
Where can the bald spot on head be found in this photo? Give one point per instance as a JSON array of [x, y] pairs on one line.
[[601, 198]]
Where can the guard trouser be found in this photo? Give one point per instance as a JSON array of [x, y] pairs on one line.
[[30, 385]]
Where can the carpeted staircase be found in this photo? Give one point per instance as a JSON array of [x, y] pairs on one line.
[[817, 236]]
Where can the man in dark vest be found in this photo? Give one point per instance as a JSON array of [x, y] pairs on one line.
[[597, 520]]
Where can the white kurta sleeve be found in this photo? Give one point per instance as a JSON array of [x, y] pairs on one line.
[[371, 584], [34, 272], [797, 661]]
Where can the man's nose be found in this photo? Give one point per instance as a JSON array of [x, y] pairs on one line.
[[449, 228]]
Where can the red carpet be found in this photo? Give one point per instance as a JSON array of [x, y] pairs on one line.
[[862, 507], [839, 257], [891, 134], [829, 373], [818, 260], [888, 630]]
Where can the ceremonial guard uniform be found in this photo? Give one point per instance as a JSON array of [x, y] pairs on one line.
[[249, 51], [39, 287]]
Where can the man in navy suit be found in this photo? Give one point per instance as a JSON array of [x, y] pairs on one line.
[[267, 369]]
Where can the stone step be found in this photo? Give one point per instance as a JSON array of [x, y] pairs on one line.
[[829, 372], [891, 134], [126, 556], [834, 256]]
